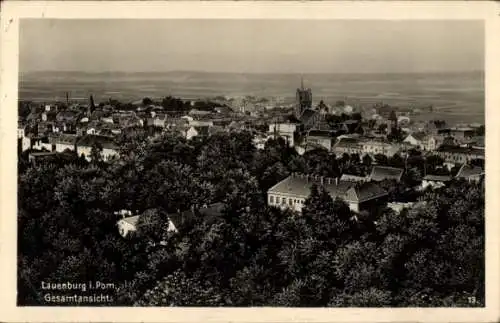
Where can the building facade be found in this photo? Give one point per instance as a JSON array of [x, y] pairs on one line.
[[292, 192]]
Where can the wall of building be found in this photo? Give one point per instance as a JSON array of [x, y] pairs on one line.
[[125, 228], [108, 153], [60, 147], [85, 151], [295, 203]]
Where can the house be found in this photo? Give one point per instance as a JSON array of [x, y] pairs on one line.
[[295, 189], [353, 178], [422, 141], [201, 123], [199, 113], [375, 147], [348, 146], [435, 181], [351, 126], [209, 213], [459, 155], [64, 142], [107, 120], [33, 157], [380, 173], [462, 132], [400, 206], [176, 123], [160, 121], [287, 131], [109, 150], [48, 116], [25, 143], [470, 173], [41, 143], [67, 116], [21, 131], [478, 142], [130, 121], [259, 142], [127, 226], [192, 132], [320, 137]]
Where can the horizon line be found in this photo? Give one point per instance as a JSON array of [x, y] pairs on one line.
[[251, 73]]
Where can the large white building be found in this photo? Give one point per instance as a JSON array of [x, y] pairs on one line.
[[286, 131], [292, 192]]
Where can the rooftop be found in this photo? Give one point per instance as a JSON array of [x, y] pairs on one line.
[[437, 178], [300, 185], [380, 173], [460, 150], [132, 220], [347, 142], [90, 140], [210, 213], [467, 171]]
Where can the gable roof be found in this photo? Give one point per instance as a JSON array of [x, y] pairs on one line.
[[202, 130], [437, 178], [352, 178], [347, 142], [467, 171], [66, 115], [380, 173], [90, 140], [300, 185], [64, 139], [210, 213], [420, 136], [319, 133], [364, 192], [132, 220], [307, 115]]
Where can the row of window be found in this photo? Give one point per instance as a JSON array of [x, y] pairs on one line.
[[283, 200]]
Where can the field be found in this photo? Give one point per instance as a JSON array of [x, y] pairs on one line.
[[456, 97]]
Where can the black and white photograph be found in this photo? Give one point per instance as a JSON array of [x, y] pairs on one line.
[[242, 163]]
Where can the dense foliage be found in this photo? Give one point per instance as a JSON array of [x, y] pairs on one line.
[[253, 255]]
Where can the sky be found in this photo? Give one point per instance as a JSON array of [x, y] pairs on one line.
[[251, 46]]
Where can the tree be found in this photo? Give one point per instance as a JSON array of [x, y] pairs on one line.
[[367, 160], [381, 159], [382, 128], [96, 153], [147, 101]]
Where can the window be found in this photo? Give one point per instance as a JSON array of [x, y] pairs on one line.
[[283, 200], [290, 201], [271, 199]]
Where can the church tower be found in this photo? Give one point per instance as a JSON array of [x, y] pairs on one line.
[[303, 99]]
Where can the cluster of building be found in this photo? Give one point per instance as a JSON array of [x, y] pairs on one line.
[[58, 128], [310, 130], [52, 129], [456, 146]]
